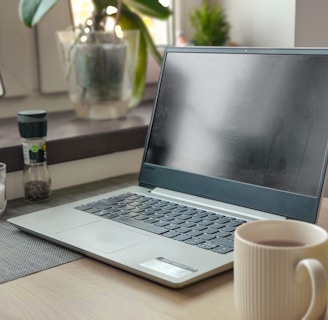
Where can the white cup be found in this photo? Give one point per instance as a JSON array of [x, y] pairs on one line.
[[280, 270], [3, 199]]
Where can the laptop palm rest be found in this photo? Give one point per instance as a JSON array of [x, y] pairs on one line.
[[101, 236]]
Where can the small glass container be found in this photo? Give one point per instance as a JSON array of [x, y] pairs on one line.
[[36, 178]]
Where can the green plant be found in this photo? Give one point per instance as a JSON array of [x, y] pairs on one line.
[[128, 16], [210, 24]]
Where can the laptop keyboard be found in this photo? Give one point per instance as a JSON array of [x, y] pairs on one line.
[[205, 229]]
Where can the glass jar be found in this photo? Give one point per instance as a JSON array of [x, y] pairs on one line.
[[36, 178]]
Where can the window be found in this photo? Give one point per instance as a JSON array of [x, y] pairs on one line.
[[161, 31], [29, 59]]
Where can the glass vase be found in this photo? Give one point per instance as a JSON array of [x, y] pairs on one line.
[[99, 70]]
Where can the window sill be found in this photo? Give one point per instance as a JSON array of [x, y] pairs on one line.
[[70, 138]]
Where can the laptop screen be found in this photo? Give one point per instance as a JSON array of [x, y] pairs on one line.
[[251, 120]]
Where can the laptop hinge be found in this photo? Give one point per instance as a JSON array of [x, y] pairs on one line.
[[246, 213]]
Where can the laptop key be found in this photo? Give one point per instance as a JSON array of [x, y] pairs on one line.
[[205, 223], [188, 224], [177, 222], [172, 227], [131, 214], [199, 227], [194, 241], [207, 245], [223, 220], [216, 225], [170, 214], [167, 218], [182, 237], [210, 230], [151, 220], [184, 217], [195, 233], [170, 234], [110, 215], [141, 217], [92, 210], [228, 229], [201, 214], [134, 209], [222, 241], [140, 225], [222, 249], [161, 223], [235, 223], [212, 217], [223, 234], [183, 230], [102, 206], [195, 219], [207, 236]]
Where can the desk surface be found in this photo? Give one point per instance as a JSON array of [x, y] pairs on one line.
[[87, 289]]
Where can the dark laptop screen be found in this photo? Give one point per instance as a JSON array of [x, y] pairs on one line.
[[257, 118]]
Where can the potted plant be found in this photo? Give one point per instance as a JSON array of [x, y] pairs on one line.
[[101, 62], [210, 25]]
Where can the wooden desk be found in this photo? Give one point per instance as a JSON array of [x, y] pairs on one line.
[[87, 289]]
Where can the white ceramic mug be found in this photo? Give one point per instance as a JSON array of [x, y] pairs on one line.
[[280, 270]]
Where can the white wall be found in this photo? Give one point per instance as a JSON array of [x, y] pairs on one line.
[[182, 21], [17, 54], [278, 23], [311, 23]]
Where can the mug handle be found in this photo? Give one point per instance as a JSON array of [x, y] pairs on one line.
[[319, 287]]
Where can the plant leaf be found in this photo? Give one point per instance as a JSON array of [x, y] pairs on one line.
[[139, 24], [32, 11], [130, 20], [127, 23], [152, 8]]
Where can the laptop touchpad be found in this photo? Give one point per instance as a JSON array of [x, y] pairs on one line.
[[101, 235]]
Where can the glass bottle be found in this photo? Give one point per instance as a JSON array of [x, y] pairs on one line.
[[36, 178]]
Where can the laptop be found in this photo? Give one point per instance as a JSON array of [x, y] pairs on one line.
[[236, 135]]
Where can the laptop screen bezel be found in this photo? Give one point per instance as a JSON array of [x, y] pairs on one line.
[[283, 203]]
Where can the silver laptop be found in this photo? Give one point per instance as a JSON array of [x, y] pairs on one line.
[[236, 135]]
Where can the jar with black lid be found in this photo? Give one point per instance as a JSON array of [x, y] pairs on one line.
[[32, 126]]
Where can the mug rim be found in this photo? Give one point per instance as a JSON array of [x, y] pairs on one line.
[[318, 234]]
